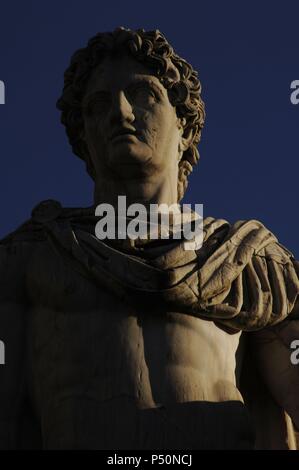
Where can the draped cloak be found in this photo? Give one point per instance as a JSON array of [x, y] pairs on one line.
[[241, 278]]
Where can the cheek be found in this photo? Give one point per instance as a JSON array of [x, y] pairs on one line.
[[149, 128], [158, 126], [95, 143], [94, 126], [94, 134], [167, 131]]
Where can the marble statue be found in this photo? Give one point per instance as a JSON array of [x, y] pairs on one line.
[[131, 344]]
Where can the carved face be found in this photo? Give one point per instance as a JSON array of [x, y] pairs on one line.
[[130, 127]]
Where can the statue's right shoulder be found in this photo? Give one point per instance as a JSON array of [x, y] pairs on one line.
[[32, 230], [18, 247]]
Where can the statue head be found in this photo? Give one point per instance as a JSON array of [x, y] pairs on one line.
[[91, 83]]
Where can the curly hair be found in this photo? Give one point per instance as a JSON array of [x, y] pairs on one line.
[[153, 50]]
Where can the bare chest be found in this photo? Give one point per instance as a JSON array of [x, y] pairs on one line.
[[87, 340]]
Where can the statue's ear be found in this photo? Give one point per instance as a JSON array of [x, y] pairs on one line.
[[186, 136]]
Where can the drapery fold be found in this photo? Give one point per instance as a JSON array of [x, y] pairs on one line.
[[241, 276]]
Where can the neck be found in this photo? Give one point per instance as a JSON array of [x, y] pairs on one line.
[[148, 191]]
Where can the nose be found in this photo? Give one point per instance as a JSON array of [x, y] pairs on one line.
[[121, 110]]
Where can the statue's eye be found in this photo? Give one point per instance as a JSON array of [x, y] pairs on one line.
[[99, 105], [143, 95]]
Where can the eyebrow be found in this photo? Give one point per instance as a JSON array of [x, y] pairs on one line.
[[91, 96], [158, 86], [135, 82]]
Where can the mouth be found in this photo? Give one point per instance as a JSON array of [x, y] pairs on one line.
[[123, 134]]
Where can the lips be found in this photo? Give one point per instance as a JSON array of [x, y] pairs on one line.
[[124, 132]]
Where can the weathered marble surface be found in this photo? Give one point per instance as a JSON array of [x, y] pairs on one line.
[[115, 346]]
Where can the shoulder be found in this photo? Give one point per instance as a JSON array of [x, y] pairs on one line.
[[42, 215], [272, 269], [248, 257], [17, 249], [249, 235], [277, 262], [31, 243], [260, 239]]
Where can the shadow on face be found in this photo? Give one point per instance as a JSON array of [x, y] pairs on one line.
[[131, 128]]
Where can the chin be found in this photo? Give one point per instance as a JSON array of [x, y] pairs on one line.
[[128, 155]]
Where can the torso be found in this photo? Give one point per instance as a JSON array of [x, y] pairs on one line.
[[108, 376]]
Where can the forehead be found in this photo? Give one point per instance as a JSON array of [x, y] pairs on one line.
[[118, 71]]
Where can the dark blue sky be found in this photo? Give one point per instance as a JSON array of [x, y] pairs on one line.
[[247, 54]]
